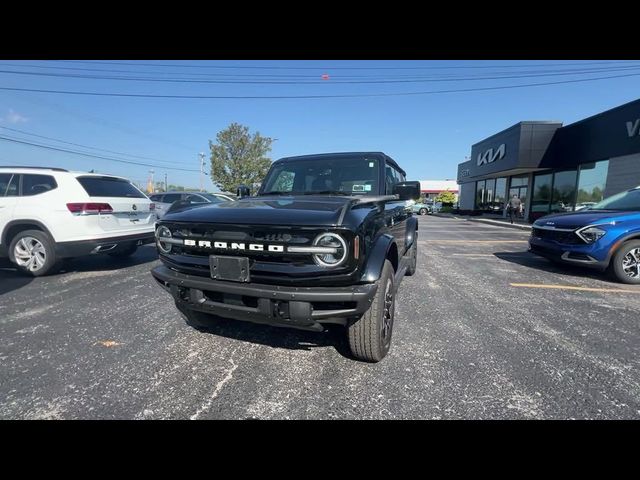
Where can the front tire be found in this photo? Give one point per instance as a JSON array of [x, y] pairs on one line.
[[625, 264], [423, 211], [413, 258], [33, 252], [370, 335]]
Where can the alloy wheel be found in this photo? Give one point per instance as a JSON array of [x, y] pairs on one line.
[[387, 315], [30, 254], [631, 263]]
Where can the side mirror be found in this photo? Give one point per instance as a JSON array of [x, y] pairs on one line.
[[407, 190], [243, 191]]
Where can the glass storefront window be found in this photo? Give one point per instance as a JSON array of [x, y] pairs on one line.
[[541, 197], [480, 195], [564, 191], [500, 195], [520, 181], [591, 182], [490, 188]]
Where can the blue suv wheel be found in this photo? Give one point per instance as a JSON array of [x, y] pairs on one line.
[[625, 264]]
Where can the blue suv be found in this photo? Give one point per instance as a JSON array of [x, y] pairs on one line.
[[605, 236]]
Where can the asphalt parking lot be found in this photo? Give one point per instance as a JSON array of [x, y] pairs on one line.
[[478, 335]]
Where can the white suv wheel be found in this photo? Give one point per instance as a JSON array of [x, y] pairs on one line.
[[30, 254]]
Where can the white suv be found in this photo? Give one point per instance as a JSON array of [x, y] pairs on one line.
[[50, 213]]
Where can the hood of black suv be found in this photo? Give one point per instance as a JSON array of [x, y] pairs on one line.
[[268, 210]]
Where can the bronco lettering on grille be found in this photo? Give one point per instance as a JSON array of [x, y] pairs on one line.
[[255, 247]]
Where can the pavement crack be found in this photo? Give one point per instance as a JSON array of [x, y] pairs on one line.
[[216, 392]]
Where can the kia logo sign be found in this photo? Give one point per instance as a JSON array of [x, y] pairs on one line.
[[633, 127], [490, 156]]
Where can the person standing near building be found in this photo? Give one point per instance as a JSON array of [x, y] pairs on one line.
[[514, 207]]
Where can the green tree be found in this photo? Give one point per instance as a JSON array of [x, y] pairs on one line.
[[446, 198], [175, 188], [239, 158]]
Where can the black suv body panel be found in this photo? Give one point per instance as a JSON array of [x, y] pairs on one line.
[[375, 227]]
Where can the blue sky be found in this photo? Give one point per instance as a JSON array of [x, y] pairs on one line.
[[427, 134]]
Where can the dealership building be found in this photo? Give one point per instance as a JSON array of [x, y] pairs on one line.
[[551, 167]]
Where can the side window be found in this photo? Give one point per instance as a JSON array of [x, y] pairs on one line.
[[401, 177], [13, 187], [171, 197], [195, 199], [5, 185], [156, 198], [389, 179], [36, 184]]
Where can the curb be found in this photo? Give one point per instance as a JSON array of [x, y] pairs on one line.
[[486, 221]]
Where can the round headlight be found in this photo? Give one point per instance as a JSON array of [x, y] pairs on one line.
[[331, 241], [163, 232]]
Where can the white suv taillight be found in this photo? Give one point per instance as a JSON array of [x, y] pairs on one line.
[[89, 208], [152, 207]]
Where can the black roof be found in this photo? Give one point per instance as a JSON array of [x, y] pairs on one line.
[[344, 154]]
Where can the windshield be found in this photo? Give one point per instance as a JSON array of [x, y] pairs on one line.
[[109, 187], [629, 200], [337, 175]]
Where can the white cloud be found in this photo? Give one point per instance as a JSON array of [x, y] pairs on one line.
[[13, 117]]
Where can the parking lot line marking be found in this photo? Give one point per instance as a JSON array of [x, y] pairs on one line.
[[569, 287], [472, 255], [477, 241]]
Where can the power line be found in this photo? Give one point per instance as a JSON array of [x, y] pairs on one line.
[[49, 147], [311, 82], [282, 67], [304, 76], [85, 146], [282, 97]]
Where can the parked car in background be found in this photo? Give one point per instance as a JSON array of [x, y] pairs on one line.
[[164, 200], [605, 236], [583, 205], [50, 213], [421, 208]]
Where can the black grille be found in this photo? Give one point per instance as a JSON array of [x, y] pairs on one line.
[[567, 238]]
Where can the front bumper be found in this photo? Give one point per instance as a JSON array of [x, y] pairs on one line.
[[571, 255], [297, 307], [103, 245]]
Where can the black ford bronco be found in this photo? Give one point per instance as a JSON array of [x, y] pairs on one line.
[[327, 239]]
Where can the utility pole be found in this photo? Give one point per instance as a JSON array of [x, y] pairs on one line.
[[166, 185], [202, 171], [150, 184]]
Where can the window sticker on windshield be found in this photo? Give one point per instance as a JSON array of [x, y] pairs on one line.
[[371, 164], [359, 188], [367, 188]]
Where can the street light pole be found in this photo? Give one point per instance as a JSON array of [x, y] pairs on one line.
[[201, 171]]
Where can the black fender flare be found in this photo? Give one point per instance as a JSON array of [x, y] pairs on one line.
[[376, 258], [411, 233]]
